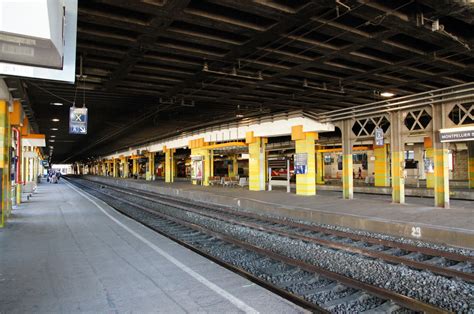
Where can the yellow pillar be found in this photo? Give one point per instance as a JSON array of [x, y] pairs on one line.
[[398, 159], [115, 168], [304, 148], [124, 161], [257, 159], [381, 166], [319, 167], [430, 178], [235, 167], [4, 162], [471, 164], [428, 144], [347, 167], [441, 177], [151, 166], [440, 158], [398, 185], [211, 162], [199, 148], [169, 164], [135, 166]]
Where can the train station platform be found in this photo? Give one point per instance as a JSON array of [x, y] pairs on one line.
[[416, 219], [66, 252]]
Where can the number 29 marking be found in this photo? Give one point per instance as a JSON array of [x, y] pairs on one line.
[[416, 232]]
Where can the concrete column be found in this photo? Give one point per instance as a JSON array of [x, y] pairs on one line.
[[169, 164], [206, 159], [257, 158], [135, 166], [440, 159], [347, 167], [235, 165], [211, 161], [319, 167], [4, 162], [429, 175], [470, 147], [398, 158], [114, 168], [304, 144], [150, 174], [381, 168], [124, 162]]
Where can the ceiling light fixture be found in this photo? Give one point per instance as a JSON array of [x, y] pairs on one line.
[[55, 120], [387, 94], [53, 136], [56, 104], [54, 129], [52, 141]]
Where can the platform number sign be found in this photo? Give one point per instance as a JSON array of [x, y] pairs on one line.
[[78, 120], [378, 136]]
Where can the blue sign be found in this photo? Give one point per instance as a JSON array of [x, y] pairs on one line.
[[378, 136], [78, 120], [300, 169]]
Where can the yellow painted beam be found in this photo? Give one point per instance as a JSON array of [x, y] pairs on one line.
[[336, 150]]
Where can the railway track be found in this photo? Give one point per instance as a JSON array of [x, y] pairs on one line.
[[299, 280]]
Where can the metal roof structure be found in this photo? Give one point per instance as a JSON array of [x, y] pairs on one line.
[[158, 66]]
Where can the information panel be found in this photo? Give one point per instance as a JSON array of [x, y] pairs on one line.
[[378, 136], [301, 163], [78, 120]]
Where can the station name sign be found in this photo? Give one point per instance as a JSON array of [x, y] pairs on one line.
[[457, 134]]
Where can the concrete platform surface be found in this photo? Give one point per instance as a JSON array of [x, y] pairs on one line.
[[418, 218], [63, 253]]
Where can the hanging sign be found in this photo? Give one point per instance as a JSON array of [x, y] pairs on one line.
[[301, 163], [457, 134], [378, 136], [78, 120]]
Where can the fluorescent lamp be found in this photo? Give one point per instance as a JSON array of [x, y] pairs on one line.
[[387, 94], [55, 120], [54, 129], [56, 104], [53, 136]]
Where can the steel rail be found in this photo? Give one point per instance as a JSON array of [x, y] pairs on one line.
[[353, 236], [283, 293], [468, 277], [400, 299]]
